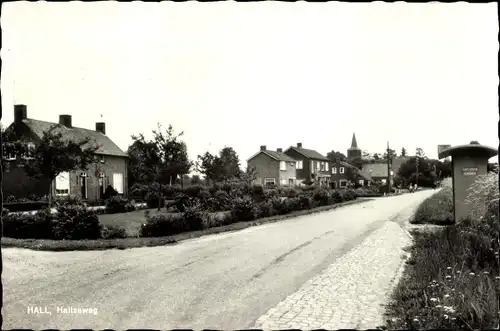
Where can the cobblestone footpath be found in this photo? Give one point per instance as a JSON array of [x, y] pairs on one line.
[[351, 292]]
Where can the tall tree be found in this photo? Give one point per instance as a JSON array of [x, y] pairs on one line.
[[403, 152], [222, 167], [55, 154], [392, 154], [142, 160], [249, 175], [420, 152], [333, 156]]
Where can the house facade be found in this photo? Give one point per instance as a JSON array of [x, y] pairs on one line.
[[311, 165], [110, 167], [344, 173], [273, 168]]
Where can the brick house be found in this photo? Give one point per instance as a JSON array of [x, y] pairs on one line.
[[110, 167], [310, 165], [343, 173], [273, 167]]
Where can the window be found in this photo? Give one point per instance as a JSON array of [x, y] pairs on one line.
[[101, 158], [283, 181], [341, 170], [282, 165], [334, 170], [342, 183], [29, 153], [290, 181], [300, 164], [269, 181], [326, 166], [322, 166], [317, 165], [118, 182], [361, 182], [62, 184], [83, 185], [8, 154], [312, 166]]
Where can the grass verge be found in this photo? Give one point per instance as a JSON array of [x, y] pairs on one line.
[[125, 243], [436, 209]]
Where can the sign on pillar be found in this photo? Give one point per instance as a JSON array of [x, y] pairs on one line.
[[468, 162]]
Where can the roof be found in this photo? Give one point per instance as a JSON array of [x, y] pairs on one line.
[[309, 153], [106, 145], [365, 176], [488, 151], [375, 169], [274, 155]]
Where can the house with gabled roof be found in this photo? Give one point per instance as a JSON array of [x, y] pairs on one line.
[[344, 172], [311, 165], [273, 167], [110, 167]]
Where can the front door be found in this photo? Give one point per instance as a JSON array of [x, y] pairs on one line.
[[83, 186], [290, 181]]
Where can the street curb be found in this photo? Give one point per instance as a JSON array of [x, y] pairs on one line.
[[107, 244]]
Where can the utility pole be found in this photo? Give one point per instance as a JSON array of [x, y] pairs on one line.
[[388, 169], [416, 163]]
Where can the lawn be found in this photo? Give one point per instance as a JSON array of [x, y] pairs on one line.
[[436, 209], [130, 221]]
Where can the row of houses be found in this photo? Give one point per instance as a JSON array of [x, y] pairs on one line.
[[296, 165], [110, 168]]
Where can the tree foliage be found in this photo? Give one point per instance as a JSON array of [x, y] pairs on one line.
[[333, 156], [55, 154], [222, 167], [429, 171], [403, 152]]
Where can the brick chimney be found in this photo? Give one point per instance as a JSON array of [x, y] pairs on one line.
[[279, 150], [101, 127], [263, 147], [65, 120], [20, 113], [299, 145]]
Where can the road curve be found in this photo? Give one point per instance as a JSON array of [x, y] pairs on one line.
[[224, 281]]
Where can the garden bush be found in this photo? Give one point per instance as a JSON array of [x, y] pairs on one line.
[[265, 209], [336, 196], [163, 225], [280, 205], [321, 197], [109, 192], [113, 232], [348, 195], [194, 217], [139, 191], [75, 223], [244, 209], [218, 219], [117, 204], [305, 202], [270, 193], [194, 191], [24, 226], [221, 201], [258, 193]]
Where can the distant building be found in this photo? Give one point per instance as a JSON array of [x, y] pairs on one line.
[[354, 151], [311, 165], [273, 167], [110, 168]]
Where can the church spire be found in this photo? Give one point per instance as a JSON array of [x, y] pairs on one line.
[[354, 143]]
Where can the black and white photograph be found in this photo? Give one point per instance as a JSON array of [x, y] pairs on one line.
[[250, 165]]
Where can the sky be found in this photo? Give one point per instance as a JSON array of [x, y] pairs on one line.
[[259, 73]]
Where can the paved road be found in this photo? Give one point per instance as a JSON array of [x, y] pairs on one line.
[[225, 281]]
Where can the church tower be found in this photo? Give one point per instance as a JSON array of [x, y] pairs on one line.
[[354, 151]]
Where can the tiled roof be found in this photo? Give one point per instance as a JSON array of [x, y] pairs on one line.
[[310, 153], [279, 156], [365, 176], [106, 145], [375, 169]]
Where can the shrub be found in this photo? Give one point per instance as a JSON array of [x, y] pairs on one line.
[[221, 201], [24, 226], [258, 193], [113, 232], [280, 205], [117, 204], [295, 204], [139, 191], [218, 219], [265, 209], [336, 196], [76, 223], [483, 196], [305, 201], [349, 195], [11, 199], [194, 191], [308, 187], [321, 196], [271, 193], [154, 195], [436, 209], [109, 192], [5, 212], [244, 209], [163, 225], [70, 200], [194, 217]]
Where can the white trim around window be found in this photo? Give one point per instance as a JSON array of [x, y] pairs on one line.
[[342, 169], [282, 165], [62, 184], [118, 182], [283, 181], [342, 183], [268, 181], [334, 170], [300, 164], [326, 167], [361, 182]]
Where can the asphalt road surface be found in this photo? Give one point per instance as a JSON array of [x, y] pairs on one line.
[[224, 281]]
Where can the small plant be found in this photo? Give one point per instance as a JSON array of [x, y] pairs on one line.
[[163, 225], [75, 223], [117, 204], [32, 226], [280, 205], [194, 217], [265, 209], [321, 196], [109, 192], [221, 201], [336, 196], [305, 202]]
